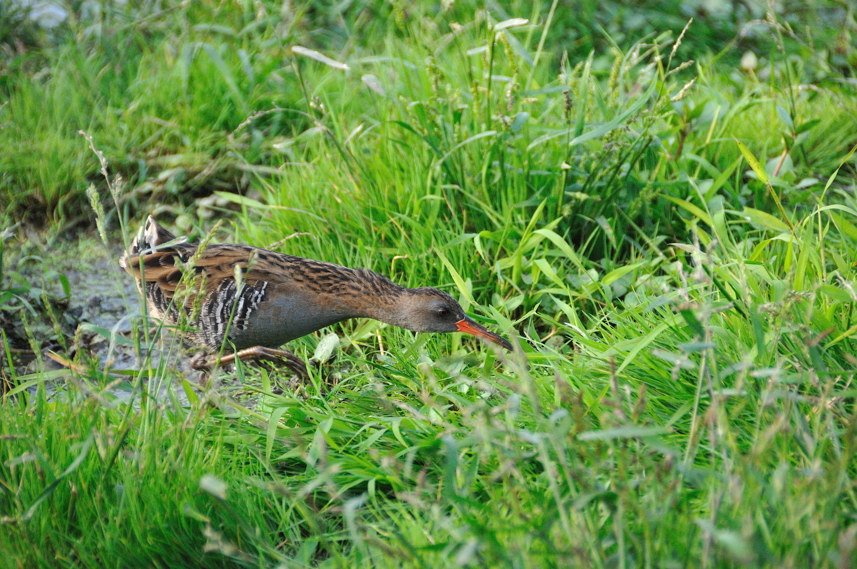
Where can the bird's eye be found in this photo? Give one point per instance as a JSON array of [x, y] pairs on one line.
[[442, 312]]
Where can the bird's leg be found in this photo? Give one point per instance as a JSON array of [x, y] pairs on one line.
[[290, 360]]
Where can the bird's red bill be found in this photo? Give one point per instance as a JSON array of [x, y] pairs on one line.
[[468, 326]]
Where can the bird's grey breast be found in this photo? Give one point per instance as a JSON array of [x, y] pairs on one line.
[[268, 315]]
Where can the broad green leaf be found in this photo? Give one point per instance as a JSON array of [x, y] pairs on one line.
[[753, 162], [694, 210], [546, 268], [836, 293], [271, 429], [456, 277], [764, 219], [617, 274], [561, 244]]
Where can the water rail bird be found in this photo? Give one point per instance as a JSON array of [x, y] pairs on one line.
[[255, 300]]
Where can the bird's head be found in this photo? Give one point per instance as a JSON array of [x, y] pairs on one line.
[[432, 310]]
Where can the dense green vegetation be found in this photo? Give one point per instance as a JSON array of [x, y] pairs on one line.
[[660, 213]]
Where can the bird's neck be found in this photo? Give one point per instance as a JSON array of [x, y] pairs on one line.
[[372, 295]]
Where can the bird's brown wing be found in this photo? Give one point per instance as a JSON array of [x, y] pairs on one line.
[[208, 268], [160, 267]]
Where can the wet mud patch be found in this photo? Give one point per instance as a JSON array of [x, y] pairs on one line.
[[73, 301], [74, 307]]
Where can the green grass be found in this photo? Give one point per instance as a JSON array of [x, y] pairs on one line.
[[683, 393]]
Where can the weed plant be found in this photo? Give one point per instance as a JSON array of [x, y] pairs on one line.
[[667, 235]]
